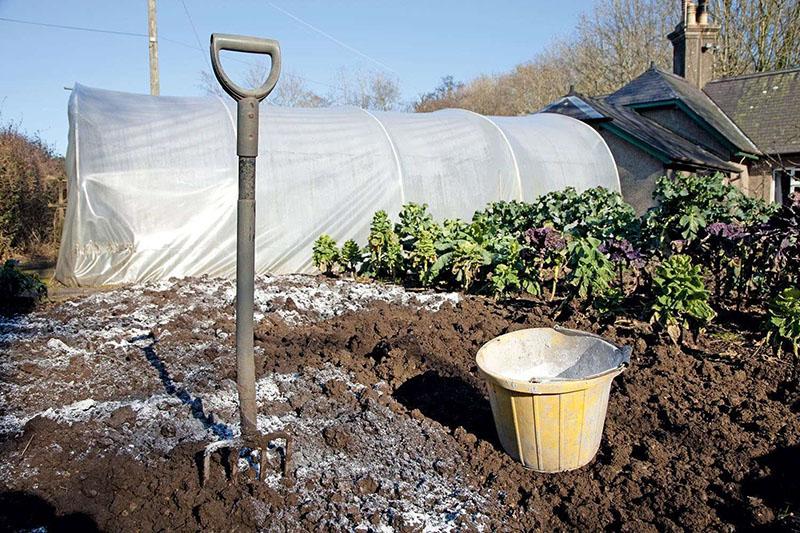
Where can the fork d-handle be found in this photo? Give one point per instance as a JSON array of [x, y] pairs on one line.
[[247, 99], [247, 150]]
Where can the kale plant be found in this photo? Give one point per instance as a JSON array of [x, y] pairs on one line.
[[423, 256], [784, 319], [465, 261], [385, 250], [681, 299], [591, 274], [325, 254], [350, 257], [596, 212], [722, 247], [418, 233], [545, 251], [504, 280], [512, 217], [686, 204], [624, 256]]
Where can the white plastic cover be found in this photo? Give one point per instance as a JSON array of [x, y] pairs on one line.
[[153, 180]]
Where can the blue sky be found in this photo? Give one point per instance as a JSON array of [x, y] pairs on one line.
[[420, 41]]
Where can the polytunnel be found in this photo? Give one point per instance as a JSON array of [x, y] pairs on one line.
[[152, 181]]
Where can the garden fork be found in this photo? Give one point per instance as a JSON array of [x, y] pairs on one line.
[[251, 440]]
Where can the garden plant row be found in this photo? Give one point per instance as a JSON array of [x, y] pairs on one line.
[[703, 248]]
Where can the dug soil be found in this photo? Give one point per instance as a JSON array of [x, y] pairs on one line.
[[108, 401]]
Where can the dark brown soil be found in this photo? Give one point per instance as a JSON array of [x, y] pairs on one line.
[[393, 428]]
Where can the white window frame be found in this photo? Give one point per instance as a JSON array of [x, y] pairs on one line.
[[776, 191]]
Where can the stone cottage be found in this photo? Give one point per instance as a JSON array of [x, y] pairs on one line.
[[662, 122]]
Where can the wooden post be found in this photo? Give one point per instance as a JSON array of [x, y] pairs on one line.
[[153, 45]]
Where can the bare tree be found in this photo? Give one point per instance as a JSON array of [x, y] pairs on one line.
[[291, 90], [209, 84], [366, 89], [617, 41], [756, 35]]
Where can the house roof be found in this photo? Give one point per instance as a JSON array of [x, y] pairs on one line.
[[765, 105], [633, 127], [655, 86]]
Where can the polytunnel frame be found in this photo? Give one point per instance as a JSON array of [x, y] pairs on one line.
[[508, 144], [456, 111], [499, 129], [397, 163], [524, 145]]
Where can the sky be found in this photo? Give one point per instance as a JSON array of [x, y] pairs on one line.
[[416, 42]]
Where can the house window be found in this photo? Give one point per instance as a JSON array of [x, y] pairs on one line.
[[786, 182]]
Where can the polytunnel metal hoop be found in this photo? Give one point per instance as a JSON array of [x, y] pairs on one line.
[[508, 144], [394, 153]]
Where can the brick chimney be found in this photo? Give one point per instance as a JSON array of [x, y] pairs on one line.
[[694, 43]]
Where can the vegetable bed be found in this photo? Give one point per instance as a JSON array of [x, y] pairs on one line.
[[106, 400]]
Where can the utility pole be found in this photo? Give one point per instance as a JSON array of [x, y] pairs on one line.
[[153, 45]]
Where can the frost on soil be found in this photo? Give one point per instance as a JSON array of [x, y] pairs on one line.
[[82, 364]]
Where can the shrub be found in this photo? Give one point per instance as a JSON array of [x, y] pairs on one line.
[[325, 254], [784, 319], [19, 291], [681, 299], [29, 181]]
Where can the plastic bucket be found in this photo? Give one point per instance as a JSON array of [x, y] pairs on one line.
[[549, 393]]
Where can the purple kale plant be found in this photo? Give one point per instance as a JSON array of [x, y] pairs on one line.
[[545, 249], [727, 231], [622, 251], [545, 240]]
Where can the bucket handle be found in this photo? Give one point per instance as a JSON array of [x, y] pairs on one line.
[[254, 45], [626, 351]]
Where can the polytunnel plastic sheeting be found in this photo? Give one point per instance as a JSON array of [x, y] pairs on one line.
[[153, 180]]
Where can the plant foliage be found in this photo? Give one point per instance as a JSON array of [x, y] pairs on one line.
[[18, 290], [784, 318], [325, 254], [681, 299]]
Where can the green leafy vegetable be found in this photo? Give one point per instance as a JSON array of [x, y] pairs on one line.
[[325, 254]]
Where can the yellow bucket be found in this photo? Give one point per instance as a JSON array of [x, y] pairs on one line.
[[549, 393]]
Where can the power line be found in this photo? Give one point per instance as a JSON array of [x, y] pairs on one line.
[[196, 36], [332, 38], [144, 35], [91, 30], [79, 28]]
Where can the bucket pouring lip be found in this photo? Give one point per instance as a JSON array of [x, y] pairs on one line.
[[555, 384]]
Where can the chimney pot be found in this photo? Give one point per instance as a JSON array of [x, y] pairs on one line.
[[691, 14], [702, 13]]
